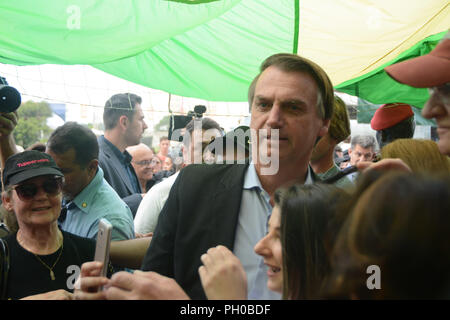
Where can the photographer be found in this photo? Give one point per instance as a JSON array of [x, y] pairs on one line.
[[150, 207]]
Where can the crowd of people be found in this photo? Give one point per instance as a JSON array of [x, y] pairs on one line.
[[273, 215]]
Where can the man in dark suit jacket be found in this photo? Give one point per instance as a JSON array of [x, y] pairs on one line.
[[124, 125], [292, 102]]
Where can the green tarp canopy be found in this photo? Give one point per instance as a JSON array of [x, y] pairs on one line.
[[212, 49]]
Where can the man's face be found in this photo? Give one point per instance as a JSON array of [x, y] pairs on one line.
[[360, 154], [136, 127], [167, 165], [193, 150], [76, 178], [438, 107], [164, 147], [142, 163], [287, 101]]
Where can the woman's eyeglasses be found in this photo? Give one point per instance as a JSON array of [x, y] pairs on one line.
[[27, 191]]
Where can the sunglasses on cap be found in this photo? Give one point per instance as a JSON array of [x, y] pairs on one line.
[[51, 186]]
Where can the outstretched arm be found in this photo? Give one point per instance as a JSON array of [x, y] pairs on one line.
[[129, 253], [385, 164]]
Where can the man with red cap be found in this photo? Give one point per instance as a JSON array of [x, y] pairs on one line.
[[393, 121], [431, 71]]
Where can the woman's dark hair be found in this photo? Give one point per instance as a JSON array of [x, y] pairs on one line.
[[400, 222], [308, 215]]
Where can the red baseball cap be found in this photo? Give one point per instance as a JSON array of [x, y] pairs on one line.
[[430, 70], [390, 114]]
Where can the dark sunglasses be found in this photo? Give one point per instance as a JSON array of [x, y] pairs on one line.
[[28, 191]]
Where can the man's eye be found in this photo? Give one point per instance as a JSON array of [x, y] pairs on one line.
[[294, 108], [262, 105]]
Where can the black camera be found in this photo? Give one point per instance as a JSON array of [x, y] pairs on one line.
[[178, 122], [10, 98]]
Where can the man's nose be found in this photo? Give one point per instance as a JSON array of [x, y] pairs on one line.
[[275, 118], [434, 107]]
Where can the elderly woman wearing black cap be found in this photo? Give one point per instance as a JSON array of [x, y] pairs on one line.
[[44, 262]]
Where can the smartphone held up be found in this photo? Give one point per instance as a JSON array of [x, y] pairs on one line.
[[103, 244]]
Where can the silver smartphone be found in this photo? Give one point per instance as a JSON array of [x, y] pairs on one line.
[[103, 243]]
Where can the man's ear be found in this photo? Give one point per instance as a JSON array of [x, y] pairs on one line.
[[124, 122], [324, 130], [92, 167]]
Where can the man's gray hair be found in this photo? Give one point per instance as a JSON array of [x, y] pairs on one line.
[[365, 141]]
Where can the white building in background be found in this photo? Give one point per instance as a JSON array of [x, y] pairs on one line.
[[84, 114], [55, 121]]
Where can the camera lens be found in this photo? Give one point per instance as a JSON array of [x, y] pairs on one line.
[[9, 99]]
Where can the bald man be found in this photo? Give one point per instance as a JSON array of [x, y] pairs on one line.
[[142, 163]]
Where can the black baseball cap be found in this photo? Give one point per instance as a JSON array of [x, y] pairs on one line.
[[28, 164]]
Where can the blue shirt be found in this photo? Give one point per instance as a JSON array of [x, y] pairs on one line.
[[252, 226], [98, 200], [125, 159]]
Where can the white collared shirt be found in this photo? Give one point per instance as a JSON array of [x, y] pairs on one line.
[[252, 226]]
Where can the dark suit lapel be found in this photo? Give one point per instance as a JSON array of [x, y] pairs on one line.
[[117, 166], [226, 203]]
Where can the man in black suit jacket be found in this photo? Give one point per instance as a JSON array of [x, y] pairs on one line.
[[124, 125], [292, 99]]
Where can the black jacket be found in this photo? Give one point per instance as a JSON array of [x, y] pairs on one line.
[[117, 177], [201, 212]]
